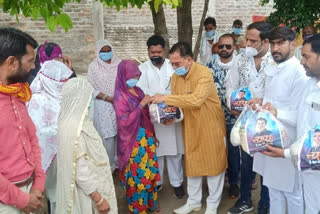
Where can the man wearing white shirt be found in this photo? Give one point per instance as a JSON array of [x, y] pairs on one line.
[[249, 71], [306, 118], [282, 91], [209, 38], [155, 78]]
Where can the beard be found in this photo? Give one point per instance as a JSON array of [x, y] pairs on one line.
[[224, 54], [279, 57], [20, 76]]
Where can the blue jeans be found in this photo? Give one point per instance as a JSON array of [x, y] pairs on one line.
[[247, 176], [233, 159]]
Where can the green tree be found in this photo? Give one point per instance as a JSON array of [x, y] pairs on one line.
[[52, 10], [294, 13]]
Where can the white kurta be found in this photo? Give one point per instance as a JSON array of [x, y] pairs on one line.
[[206, 47], [282, 91], [152, 81]]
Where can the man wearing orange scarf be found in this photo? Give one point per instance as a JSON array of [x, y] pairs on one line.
[[21, 176]]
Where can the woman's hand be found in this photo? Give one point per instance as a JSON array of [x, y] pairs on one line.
[[104, 208], [156, 142], [146, 100]]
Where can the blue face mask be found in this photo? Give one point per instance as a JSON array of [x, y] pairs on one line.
[[236, 31], [214, 56], [210, 34], [132, 83], [105, 56], [181, 71]]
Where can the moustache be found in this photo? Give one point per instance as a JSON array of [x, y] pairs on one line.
[[276, 53]]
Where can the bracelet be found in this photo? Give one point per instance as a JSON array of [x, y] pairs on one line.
[[92, 194], [104, 97], [100, 202]]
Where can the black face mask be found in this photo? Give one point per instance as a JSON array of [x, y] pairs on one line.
[[156, 60]]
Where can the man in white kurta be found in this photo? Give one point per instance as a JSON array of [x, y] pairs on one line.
[[306, 118], [155, 78], [282, 92]]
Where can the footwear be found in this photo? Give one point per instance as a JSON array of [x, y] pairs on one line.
[[187, 208], [233, 191], [211, 210], [178, 192], [241, 207], [159, 188], [263, 210]]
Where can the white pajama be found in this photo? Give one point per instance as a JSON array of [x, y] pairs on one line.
[[175, 171], [215, 186], [311, 191], [280, 200], [110, 144]]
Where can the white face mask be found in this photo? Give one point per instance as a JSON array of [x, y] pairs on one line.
[[252, 52]]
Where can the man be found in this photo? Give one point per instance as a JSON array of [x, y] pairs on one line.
[[21, 176], [155, 78], [316, 140], [236, 33], [249, 71], [261, 131], [220, 69], [241, 96], [282, 89], [307, 32], [193, 90], [209, 38], [306, 118]]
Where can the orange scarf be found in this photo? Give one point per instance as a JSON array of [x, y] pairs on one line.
[[20, 90]]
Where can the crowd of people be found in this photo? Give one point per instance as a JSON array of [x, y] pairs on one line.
[[70, 136]]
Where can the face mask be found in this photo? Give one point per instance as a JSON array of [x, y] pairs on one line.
[[251, 52], [105, 56], [305, 37], [214, 56], [181, 71], [210, 34], [132, 83], [156, 60], [236, 31]]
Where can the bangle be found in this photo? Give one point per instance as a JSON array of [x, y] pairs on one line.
[[100, 201], [104, 97], [92, 194]]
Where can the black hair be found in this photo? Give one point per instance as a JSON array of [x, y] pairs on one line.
[[317, 130], [263, 27], [237, 22], [13, 42], [228, 35], [314, 41], [284, 33], [183, 48], [210, 20], [242, 91], [264, 119], [156, 40]]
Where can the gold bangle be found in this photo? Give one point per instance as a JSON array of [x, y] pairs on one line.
[[100, 201]]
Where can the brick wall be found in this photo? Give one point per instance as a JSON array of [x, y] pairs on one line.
[[129, 28]]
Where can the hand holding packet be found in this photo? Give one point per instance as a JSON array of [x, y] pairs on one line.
[[160, 113]]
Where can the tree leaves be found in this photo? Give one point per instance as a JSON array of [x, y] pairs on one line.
[[52, 10], [294, 13]]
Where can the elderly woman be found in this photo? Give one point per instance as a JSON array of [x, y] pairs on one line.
[[139, 169], [102, 76], [44, 109], [84, 184]]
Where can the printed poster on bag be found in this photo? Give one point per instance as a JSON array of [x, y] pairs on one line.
[[239, 98], [161, 112], [262, 128], [310, 152]]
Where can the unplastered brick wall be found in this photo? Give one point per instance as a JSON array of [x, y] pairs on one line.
[[129, 28], [78, 43]]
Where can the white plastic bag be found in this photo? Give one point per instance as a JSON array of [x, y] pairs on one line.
[[305, 153], [159, 113]]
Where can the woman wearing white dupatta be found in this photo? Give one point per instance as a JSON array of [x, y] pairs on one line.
[[84, 184], [102, 75], [44, 109]]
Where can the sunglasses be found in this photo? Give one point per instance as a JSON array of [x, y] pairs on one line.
[[227, 46]]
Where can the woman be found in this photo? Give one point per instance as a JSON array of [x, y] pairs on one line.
[[84, 179], [139, 170], [102, 76], [44, 109]]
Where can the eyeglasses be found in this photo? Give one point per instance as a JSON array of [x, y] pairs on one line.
[[227, 46]]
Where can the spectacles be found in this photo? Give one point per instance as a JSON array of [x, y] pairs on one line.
[[227, 46]]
